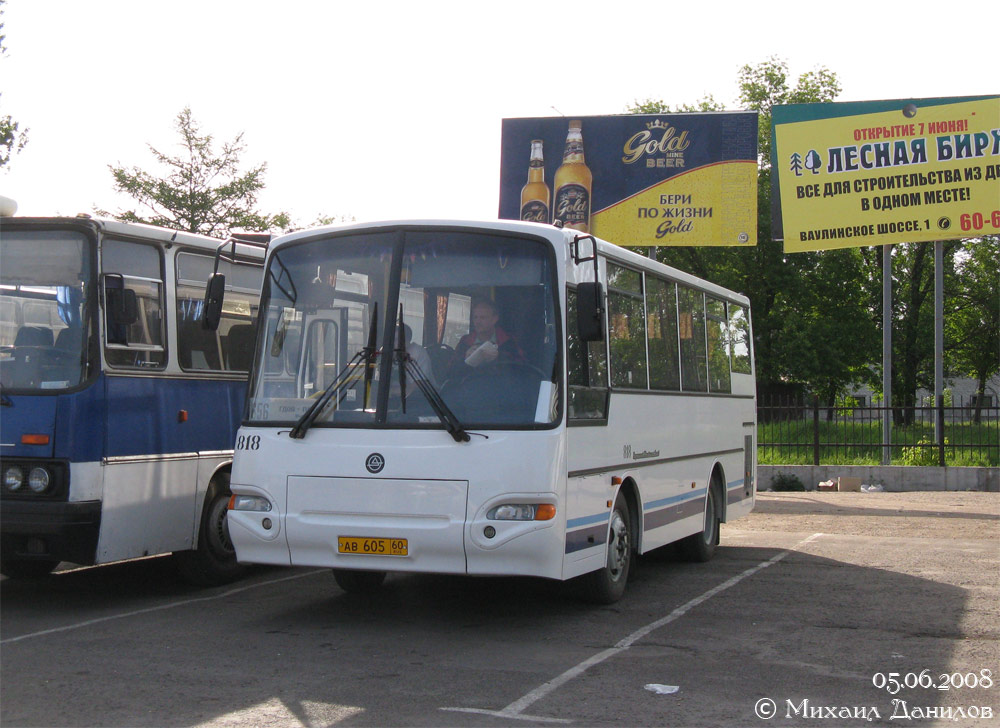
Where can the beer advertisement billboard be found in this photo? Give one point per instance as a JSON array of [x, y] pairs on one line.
[[637, 179], [882, 172]]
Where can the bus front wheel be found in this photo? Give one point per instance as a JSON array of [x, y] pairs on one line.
[[27, 569], [607, 584], [213, 562]]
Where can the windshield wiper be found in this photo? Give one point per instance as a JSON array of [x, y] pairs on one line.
[[347, 375], [441, 409]]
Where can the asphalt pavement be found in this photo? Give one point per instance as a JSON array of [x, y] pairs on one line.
[[819, 608]]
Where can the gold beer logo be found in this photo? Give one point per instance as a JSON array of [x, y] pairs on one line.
[[535, 211], [671, 144], [572, 204]]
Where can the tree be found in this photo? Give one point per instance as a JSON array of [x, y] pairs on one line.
[[811, 323], [12, 137], [972, 326], [202, 191]]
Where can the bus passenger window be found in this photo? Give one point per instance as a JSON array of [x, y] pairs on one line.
[[691, 323], [718, 346], [626, 328], [739, 337], [230, 347], [661, 323]]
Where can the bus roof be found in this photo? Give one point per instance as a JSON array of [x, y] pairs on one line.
[[167, 236], [554, 234]]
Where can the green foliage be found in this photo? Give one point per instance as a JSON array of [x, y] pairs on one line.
[[12, 137], [787, 482], [972, 323], [923, 452], [202, 191], [945, 396], [323, 220], [655, 106], [858, 442]]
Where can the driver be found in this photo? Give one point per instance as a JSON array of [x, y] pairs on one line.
[[487, 342]]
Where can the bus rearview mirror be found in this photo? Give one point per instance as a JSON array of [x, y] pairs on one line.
[[590, 311], [215, 290], [122, 305]]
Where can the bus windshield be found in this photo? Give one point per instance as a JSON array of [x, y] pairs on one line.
[[383, 327], [45, 281]]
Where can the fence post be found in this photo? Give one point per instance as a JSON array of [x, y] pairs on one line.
[[815, 430], [940, 429]]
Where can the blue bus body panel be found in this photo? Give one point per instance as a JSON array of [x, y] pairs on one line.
[[28, 415], [164, 416], [123, 416]]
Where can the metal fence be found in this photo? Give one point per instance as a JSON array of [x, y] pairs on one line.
[[796, 431]]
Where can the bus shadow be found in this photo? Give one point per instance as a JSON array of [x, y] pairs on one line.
[[807, 627], [74, 594]]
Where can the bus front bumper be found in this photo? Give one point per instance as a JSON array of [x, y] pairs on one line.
[[50, 530]]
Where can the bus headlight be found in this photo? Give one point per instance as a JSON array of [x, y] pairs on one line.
[[249, 503], [38, 480], [522, 512], [13, 478]]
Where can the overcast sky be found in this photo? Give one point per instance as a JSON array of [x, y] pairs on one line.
[[393, 109]]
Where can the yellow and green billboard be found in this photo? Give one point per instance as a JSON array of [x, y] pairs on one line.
[[882, 172], [636, 179]]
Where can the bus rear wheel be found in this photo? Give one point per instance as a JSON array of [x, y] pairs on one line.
[[701, 546], [607, 584], [358, 582], [213, 562]]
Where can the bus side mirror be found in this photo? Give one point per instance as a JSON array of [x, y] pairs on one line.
[[590, 311], [123, 308], [215, 291]]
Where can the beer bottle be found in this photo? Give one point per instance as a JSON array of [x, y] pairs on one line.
[[535, 194], [572, 184]]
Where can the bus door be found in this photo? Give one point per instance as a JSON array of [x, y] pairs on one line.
[[325, 342], [147, 468]]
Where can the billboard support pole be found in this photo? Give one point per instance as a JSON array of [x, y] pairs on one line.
[[887, 354], [939, 342]]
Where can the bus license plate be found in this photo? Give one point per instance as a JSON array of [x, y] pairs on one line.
[[372, 546]]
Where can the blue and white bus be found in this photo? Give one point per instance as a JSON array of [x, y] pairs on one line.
[[119, 409], [495, 398]]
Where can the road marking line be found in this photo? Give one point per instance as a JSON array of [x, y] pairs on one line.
[[147, 610], [516, 709]]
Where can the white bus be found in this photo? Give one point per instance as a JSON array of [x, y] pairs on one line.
[[564, 404], [119, 409]]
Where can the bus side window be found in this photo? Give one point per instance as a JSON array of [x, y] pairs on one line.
[[694, 352], [134, 332], [626, 328], [718, 346], [230, 346], [739, 337], [661, 320]]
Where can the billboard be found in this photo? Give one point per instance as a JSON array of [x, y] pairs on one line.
[[882, 172], [637, 179]]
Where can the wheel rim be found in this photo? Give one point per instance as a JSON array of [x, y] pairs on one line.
[[618, 549], [218, 531]]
